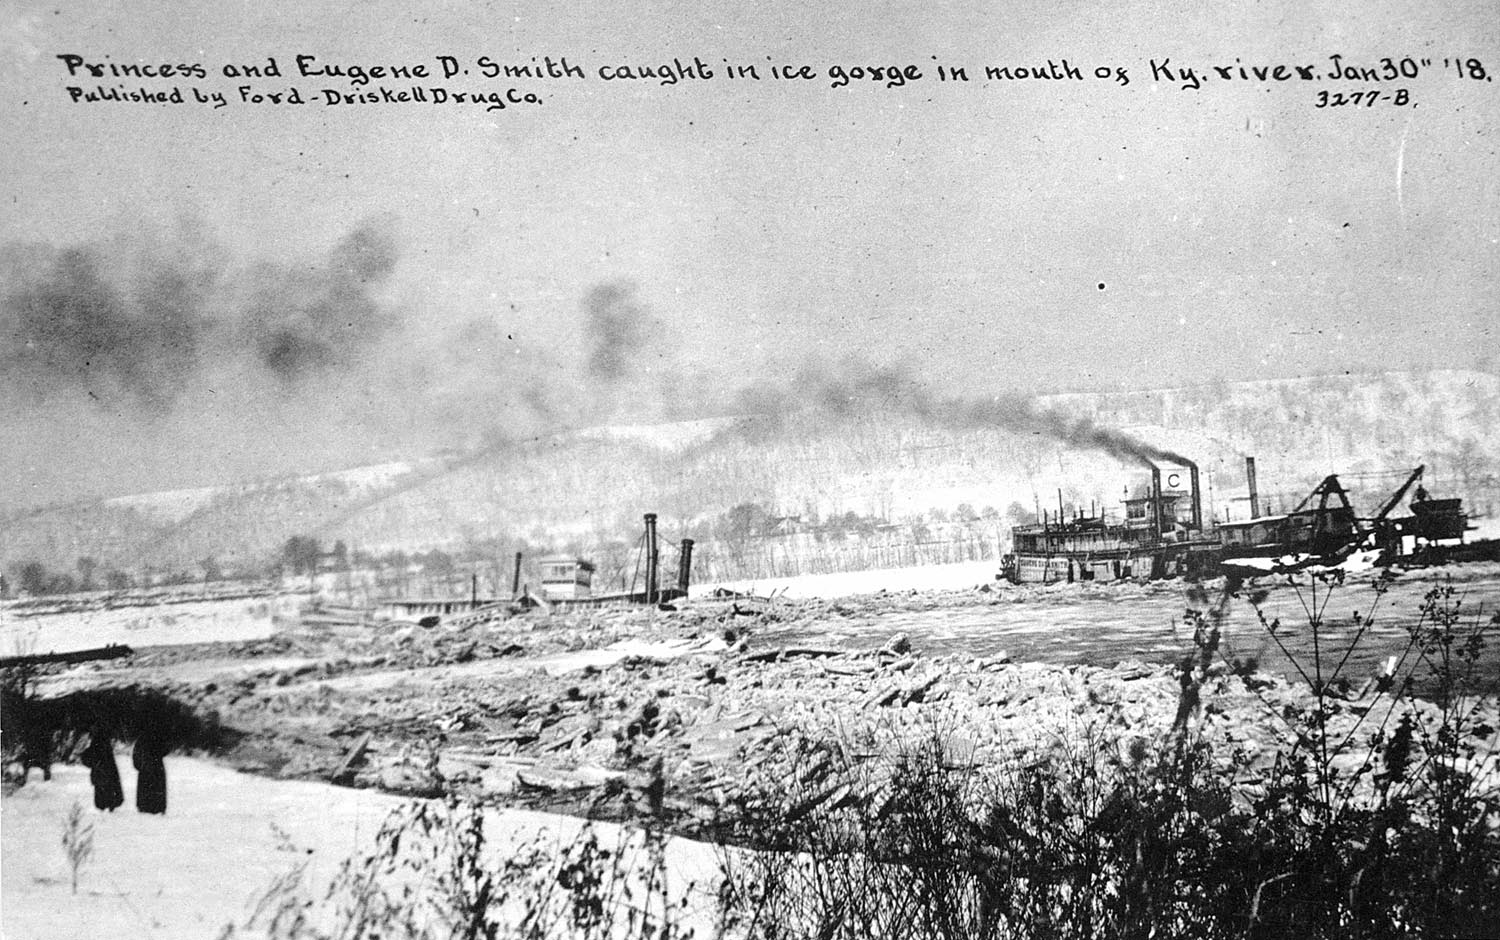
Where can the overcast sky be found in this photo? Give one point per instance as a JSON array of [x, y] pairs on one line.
[[989, 235]]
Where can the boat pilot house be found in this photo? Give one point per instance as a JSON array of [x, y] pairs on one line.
[[565, 577]]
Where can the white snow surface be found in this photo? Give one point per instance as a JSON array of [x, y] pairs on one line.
[[207, 621], [231, 621], [225, 837], [843, 584]]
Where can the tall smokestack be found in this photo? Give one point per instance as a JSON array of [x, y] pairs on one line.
[[1250, 482], [1197, 499], [684, 566], [1157, 516], [650, 557]]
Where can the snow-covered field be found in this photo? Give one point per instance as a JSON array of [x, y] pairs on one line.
[[204, 865], [209, 621], [185, 874], [167, 505]]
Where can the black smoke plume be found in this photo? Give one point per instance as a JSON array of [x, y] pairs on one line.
[[72, 325], [154, 359], [618, 327], [859, 387], [303, 322], [131, 324]]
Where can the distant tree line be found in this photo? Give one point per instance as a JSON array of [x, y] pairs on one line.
[[736, 533], [36, 579]]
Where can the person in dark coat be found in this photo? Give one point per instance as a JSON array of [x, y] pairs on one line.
[[99, 758], [151, 773], [36, 740], [36, 751]]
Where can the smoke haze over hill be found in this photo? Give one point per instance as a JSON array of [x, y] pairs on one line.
[[154, 360]]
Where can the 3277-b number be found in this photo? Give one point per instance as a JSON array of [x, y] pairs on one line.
[[1339, 99]]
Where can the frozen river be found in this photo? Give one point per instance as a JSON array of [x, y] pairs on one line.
[[165, 624], [1104, 624], [1080, 623]]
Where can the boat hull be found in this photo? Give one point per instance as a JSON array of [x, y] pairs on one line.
[[1067, 568]]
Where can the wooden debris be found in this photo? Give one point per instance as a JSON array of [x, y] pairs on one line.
[[344, 774], [789, 652], [112, 651], [555, 780]]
